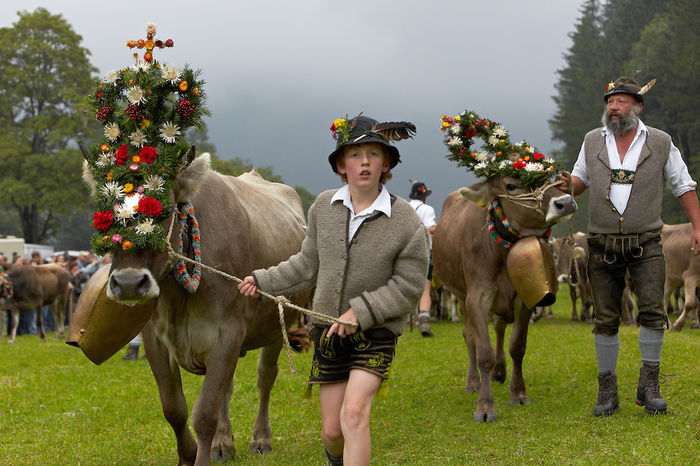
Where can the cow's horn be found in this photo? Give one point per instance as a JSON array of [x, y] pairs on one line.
[[188, 157], [83, 150]]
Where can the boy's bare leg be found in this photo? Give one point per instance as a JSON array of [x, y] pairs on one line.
[[331, 398], [354, 416]]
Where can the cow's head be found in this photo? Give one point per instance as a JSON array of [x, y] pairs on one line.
[[134, 277], [530, 210]]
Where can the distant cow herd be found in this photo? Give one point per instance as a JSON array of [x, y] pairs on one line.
[[204, 333]]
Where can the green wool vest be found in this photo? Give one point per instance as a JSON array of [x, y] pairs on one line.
[[643, 211]]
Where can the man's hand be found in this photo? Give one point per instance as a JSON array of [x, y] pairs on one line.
[[565, 178], [248, 287], [695, 241], [341, 329]]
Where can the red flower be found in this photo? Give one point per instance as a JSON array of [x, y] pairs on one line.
[[102, 220], [469, 133], [121, 154], [169, 43], [148, 154], [333, 126], [519, 164], [150, 206], [159, 44], [538, 156]]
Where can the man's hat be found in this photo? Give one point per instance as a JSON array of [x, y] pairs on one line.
[[625, 85], [419, 190], [364, 130]]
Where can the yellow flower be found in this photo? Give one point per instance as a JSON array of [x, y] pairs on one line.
[[339, 123], [105, 239], [183, 86], [457, 117], [128, 187], [104, 147], [136, 159], [126, 245], [145, 124], [109, 176], [149, 45], [195, 91]]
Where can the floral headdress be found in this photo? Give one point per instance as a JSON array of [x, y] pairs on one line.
[[145, 110], [500, 156]]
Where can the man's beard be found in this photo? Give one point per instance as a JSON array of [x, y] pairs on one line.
[[624, 124]]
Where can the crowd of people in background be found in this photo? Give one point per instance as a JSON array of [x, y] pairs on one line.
[[80, 268]]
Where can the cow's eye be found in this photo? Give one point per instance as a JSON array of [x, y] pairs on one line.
[[511, 187]]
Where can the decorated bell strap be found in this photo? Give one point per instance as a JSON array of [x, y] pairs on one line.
[[190, 283], [502, 232]]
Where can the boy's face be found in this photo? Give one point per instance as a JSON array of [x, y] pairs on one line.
[[363, 164]]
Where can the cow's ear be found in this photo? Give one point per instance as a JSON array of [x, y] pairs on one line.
[[190, 178], [480, 193]]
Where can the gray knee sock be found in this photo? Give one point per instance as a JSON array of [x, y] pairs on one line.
[[606, 349], [650, 343]]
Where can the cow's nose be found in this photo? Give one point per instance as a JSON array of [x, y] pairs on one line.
[[129, 286], [560, 207]]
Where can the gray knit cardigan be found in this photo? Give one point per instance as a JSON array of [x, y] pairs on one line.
[[380, 273]]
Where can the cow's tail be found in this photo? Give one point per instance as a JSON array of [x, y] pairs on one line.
[[299, 339]]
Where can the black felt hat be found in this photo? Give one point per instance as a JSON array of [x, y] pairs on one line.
[[419, 190], [364, 130], [625, 85]]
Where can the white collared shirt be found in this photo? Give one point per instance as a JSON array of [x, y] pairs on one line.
[[381, 204], [675, 170]]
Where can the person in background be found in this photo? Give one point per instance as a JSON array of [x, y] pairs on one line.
[[624, 164], [418, 195]]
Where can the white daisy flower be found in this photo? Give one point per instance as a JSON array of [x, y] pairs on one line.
[[454, 141], [500, 132], [138, 138], [480, 166], [145, 227], [125, 213], [548, 161], [504, 164], [112, 188], [141, 66], [112, 131], [533, 167], [155, 183], [493, 140], [112, 77], [481, 156], [136, 95], [169, 132], [530, 149], [171, 73], [455, 129], [105, 159]]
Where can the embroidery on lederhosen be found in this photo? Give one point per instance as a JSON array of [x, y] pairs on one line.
[[359, 341], [375, 361], [622, 176], [327, 349]]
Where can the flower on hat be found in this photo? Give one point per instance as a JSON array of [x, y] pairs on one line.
[[340, 130], [610, 86]]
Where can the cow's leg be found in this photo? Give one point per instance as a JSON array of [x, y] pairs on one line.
[[690, 284], [499, 370], [473, 380], [58, 309], [40, 322], [15, 323], [478, 304], [267, 373], [172, 399], [516, 347], [586, 301], [222, 447], [573, 295], [221, 365]]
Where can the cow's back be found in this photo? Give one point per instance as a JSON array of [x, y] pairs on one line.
[[53, 279]]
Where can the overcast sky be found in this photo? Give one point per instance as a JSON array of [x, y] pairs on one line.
[[279, 72]]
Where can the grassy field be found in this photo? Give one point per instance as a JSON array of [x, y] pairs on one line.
[[57, 408]]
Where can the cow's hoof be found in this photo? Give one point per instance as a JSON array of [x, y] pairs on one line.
[[484, 416], [499, 375], [9, 342], [520, 400], [259, 446], [223, 451]]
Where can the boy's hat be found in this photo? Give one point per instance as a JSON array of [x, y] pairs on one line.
[[419, 190], [625, 85], [364, 130]]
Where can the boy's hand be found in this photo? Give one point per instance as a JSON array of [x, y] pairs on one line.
[[248, 287], [341, 329], [565, 178]]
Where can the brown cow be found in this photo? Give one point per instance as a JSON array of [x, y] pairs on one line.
[[577, 277], [473, 267], [682, 269], [36, 286], [245, 223]]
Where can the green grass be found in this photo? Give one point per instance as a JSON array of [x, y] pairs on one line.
[[57, 408]]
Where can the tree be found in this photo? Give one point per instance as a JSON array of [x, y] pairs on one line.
[[46, 75]]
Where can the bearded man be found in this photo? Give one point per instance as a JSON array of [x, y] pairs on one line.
[[624, 163]]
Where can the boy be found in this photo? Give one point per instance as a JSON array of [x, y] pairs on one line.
[[366, 251]]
